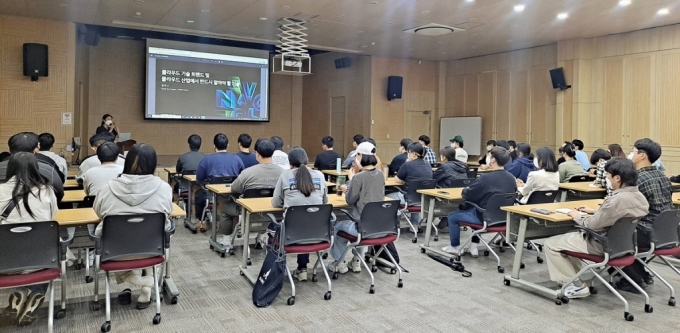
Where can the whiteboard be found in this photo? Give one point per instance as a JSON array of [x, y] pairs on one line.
[[470, 128]]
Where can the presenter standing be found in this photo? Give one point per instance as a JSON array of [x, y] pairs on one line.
[[108, 126]]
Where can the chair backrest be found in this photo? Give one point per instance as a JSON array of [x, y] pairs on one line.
[[667, 229], [88, 202], [412, 195], [265, 192], [578, 179], [621, 238], [133, 235], [308, 224], [221, 180], [494, 214], [472, 172], [458, 183], [25, 246], [379, 219], [541, 197]]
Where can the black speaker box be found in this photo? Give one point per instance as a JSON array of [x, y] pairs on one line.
[[343, 63], [35, 60], [394, 87], [557, 78]]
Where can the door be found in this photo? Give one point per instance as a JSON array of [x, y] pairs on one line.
[[338, 124], [417, 124]]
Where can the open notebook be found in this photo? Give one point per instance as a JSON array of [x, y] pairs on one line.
[[567, 210]]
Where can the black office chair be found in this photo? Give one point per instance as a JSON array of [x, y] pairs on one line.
[[308, 229], [264, 192], [472, 172], [460, 183], [19, 253], [88, 202], [578, 179], [412, 198], [537, 198], [206, 215], [183, 193], [123, 236]]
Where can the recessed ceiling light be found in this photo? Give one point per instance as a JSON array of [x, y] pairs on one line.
[[285, 7], [372, 43], [470, 0], [562, 16], [190, 21], [244, 28], [360, 32], [138, 13], [519, 8], [205, 10], [624, 3], [263, 18], [63, 5], [663, 11], [373, 3], [425, 12]]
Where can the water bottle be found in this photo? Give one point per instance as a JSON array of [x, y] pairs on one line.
[[338, 165]]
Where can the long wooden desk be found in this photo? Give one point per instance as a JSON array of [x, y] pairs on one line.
[[74, 196], [438, 203], [524, 225], [84, 216], [171, 172], [582, 190], [71, 173], [70, 184]]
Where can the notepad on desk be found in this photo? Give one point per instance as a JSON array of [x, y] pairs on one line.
[[567, 211]]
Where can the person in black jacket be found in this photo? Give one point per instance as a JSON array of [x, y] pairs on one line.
[[451, 169], [400, 159], [498, 181], [489, 145]]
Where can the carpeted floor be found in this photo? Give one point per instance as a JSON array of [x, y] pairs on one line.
[[215, 298]]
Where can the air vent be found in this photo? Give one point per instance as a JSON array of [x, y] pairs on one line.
[[433, 29]]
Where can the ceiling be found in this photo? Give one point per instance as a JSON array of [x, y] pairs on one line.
[[369, 27]]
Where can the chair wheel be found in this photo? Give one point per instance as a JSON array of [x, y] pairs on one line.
[[314, 278], [593, 290], [486, 253], [241, 272], [106, 327], [539, 260], [414, 240], [558, 302], [501, 269], [374, 269], [212, 247], [501, 250], [324, 256], [564, 299], [193, 231], [173, 300], [78, 266], [506, 282], [157, 319], [422, 250], [335, 275], [291, 300], [671, 301], [94, 306], [528, 246], [436, 238], [327, 296], [540, 247], [232, 252], [649, 308], [249, 262], [400, 284], [393, 271], [61, 314], [222, 255], [371, 290], [628, 316], [89, 279], [521, 265]]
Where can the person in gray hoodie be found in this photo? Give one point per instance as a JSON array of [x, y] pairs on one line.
[[450, 170], [135, 191], [299, 186]]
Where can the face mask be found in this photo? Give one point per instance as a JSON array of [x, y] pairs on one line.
[[357, 162], [609, 183], [630, 156], [109, 122], [453, 145]]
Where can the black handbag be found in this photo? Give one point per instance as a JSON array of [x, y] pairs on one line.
[[270, 279]]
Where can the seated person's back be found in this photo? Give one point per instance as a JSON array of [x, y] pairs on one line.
[[221, 163], [46, 144], [35, 201], [415, 167], [545, 179], [190, 159], [95, 178], [451, 168], [92, 160], [400, 159], [247, 157], [570, 167], [524, 163], [327, 160], [262, 175]]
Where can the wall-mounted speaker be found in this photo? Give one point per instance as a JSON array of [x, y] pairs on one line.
[[557, 78], [343, 63], [394, 84], [35, 60]]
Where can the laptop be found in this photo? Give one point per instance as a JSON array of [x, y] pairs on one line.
[[122, 137]]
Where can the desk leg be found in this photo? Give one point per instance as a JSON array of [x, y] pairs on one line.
[[169, 286], [563, 196], [430, 218], [244, 263], [212, 241], [187, 218]]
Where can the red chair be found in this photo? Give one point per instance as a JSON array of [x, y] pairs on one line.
[[378, 226], [413, 203], [620, 246], [307, 229], [124, 236], [19, 253]]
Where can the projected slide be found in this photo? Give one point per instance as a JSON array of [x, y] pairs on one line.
[[183, 84]]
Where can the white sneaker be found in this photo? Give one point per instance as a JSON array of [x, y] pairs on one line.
[[356, 264], [474, 251], [572, 291], [338, 266], [452, 249], [226, 241], [300, 274]]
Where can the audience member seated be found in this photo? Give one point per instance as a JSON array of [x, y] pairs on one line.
[[366, 186], [626, 201], [513, 149], [497, 181], [428, 154], [482, 162], [219, 164], [379, 164], [328, 159], [546, 178], [400, 159], [356, 141], [34, 201], [248, 158], [279, 158], [262, 175], [27, 142], [570, 167], [657, 189], [299, 186], [457, 144], [581, 156], [599, 158], [561, 159], [46, 143], [615, 150], [524, 163], [92, 161], [190, 159], [415, 168], [136, 191], [97, 177], [451, 168]]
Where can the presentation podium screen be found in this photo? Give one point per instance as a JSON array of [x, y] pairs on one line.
[[189, 81]]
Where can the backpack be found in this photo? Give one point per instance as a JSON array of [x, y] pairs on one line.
[[270, 279]]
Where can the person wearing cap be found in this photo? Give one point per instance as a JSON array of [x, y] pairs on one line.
[[457, 144], [363, 187]]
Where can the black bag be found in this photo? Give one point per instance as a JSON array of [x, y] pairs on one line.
[[270, 280], [390, 247]]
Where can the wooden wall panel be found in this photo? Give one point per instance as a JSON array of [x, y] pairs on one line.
[[542, 114], [471, 95], [613, 101], [668, 82], [519, 106], [503, 106], [487, 98], [455, 87], [639, 98]]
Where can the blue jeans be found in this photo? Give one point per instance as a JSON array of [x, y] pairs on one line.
[[468, 216], [339, 243], [415, 217]]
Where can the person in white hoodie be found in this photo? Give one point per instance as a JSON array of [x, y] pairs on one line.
[[547, 178], [135, 191], [95, 178]]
